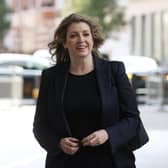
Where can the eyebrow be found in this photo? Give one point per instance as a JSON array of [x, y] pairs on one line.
[[82, 31]]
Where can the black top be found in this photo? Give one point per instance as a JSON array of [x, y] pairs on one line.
[[82, 104], [83, 111]]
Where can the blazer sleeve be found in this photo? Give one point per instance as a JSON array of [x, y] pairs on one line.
[[125, 128], [43, 133]]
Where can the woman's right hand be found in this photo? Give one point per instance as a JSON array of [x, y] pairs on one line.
[[69, 145]]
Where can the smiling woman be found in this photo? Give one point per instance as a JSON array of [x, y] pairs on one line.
[[56, 47], [83, 115], [79, 43]]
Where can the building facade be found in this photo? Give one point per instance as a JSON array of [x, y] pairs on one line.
[[32, 24], [149, 28]]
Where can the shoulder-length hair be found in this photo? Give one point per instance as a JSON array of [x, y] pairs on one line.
[[56, 47]]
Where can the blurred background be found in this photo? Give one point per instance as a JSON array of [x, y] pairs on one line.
[[136, 33]]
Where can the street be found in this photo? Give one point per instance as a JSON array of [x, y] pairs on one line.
[[19, 149]]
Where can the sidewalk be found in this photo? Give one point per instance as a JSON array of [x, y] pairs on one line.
[[10, 104], [24, 151], [154, 117]]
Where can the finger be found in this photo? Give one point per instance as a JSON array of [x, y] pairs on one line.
[[91, 136], [72, 150], [71, 142], [69, 149], [93, 142], [73, 139], [86, 140], [74, 142]]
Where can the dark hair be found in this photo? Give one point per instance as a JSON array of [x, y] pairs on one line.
[[56, 47]]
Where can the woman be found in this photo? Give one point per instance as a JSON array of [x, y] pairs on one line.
[[86, 111]]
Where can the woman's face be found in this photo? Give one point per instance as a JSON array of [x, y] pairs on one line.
[[79, 41]]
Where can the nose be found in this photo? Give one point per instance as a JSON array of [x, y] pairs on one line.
[[81, 37]]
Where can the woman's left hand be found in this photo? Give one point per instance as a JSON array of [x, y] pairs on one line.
[[96, 138]]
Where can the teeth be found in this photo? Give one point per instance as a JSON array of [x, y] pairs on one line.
[[81, 47]]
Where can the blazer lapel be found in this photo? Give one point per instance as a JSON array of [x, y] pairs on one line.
[[61, 82], [107, 91]]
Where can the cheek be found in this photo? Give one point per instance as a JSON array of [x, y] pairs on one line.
[[67, 44], [91, 43]]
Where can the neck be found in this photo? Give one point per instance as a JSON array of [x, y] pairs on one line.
[[81, 66]]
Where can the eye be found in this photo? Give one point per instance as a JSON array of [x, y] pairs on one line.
[[72, 36], [86, 34]]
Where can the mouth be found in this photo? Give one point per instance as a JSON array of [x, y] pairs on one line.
[[81, 47]]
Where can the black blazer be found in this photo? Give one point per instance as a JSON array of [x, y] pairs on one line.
[[120, 116]]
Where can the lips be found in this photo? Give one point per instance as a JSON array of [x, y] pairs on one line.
[[81, 47]]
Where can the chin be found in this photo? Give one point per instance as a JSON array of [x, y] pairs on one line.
[[84, 54]]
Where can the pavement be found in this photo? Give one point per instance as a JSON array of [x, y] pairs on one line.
[[19, 149], [154, 153], [154, 117]]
